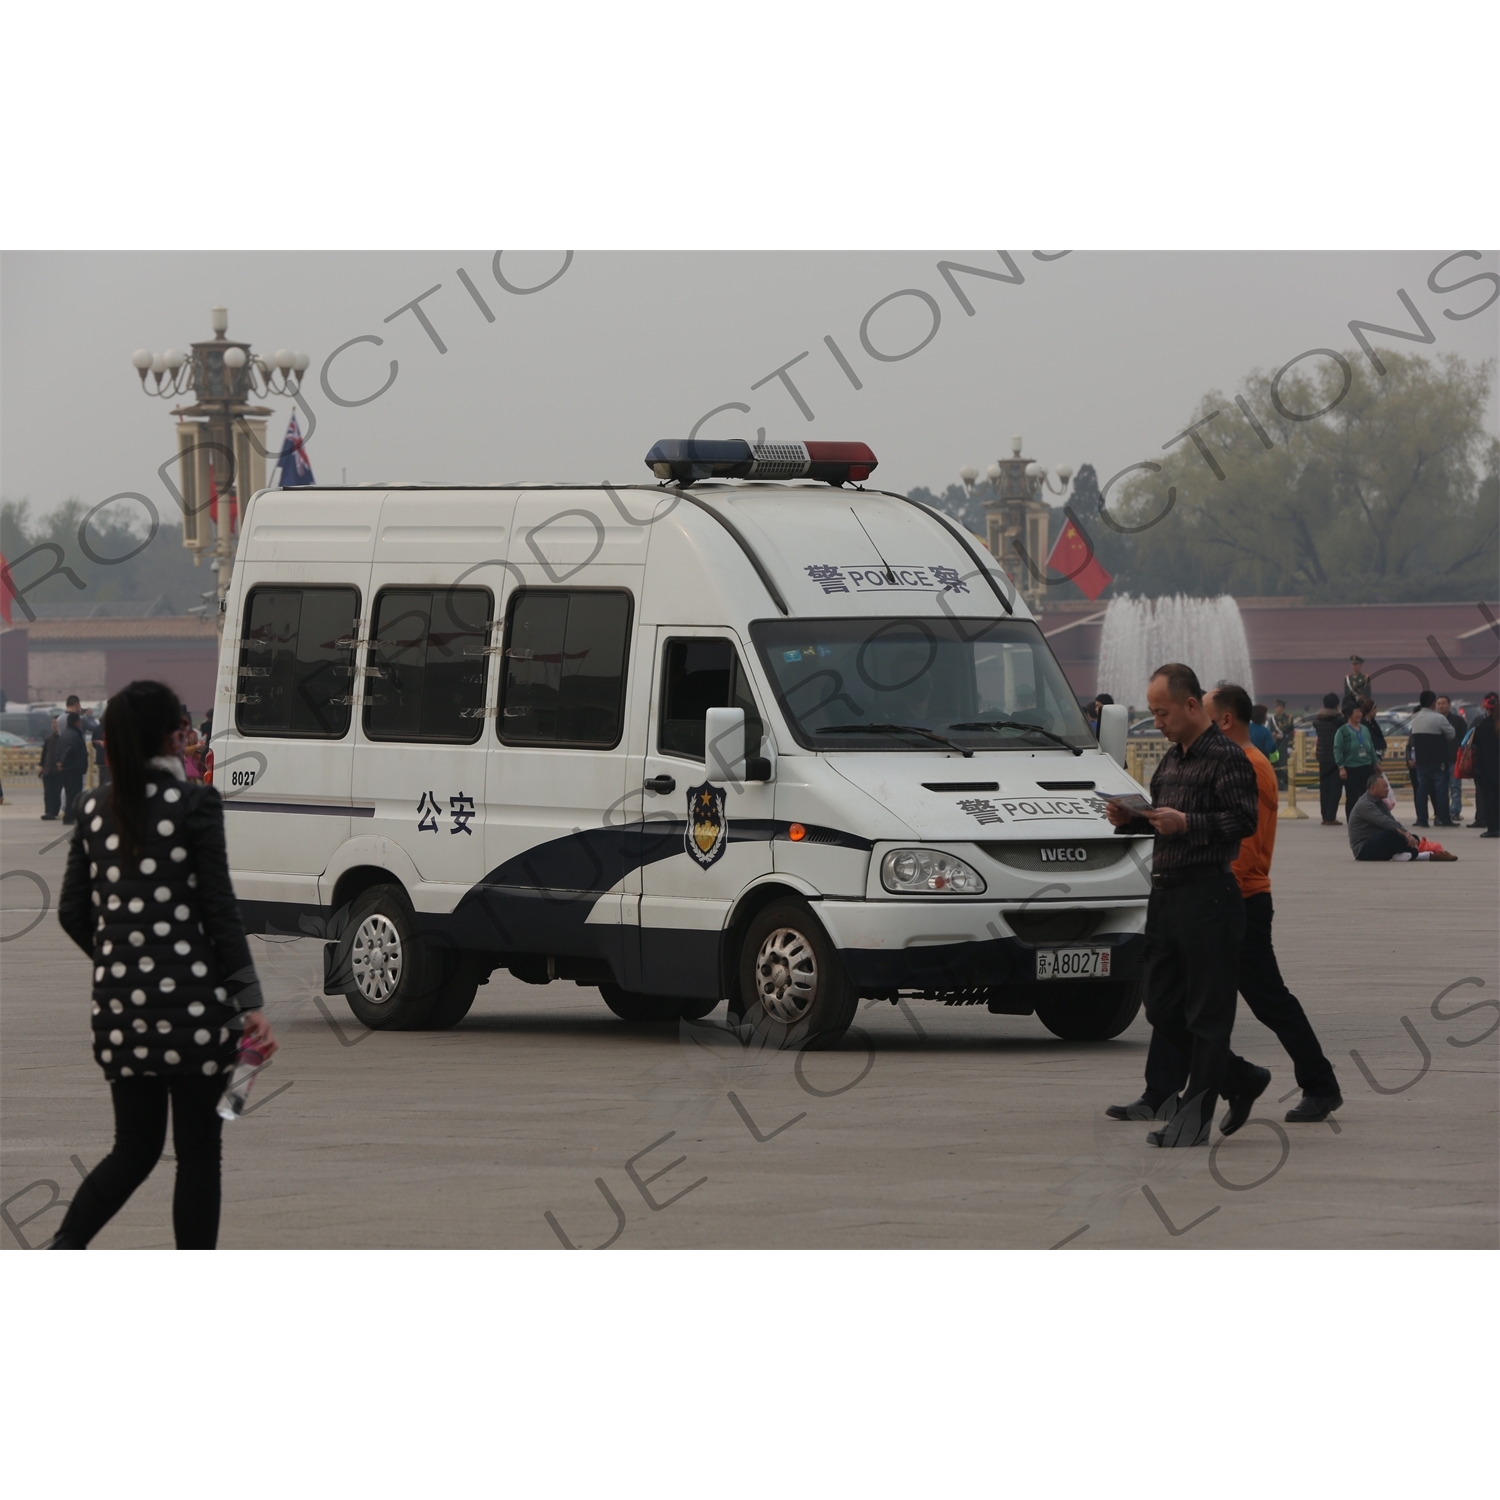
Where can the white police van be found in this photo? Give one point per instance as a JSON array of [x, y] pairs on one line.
[[748, 733]]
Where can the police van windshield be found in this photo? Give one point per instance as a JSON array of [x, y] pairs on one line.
[[915, 684]]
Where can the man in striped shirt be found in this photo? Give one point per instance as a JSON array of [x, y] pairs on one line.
[[1203, 796]]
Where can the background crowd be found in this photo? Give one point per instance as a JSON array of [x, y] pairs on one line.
[[75, 735]]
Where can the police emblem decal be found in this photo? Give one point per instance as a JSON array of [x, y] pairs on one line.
[[707, 832]]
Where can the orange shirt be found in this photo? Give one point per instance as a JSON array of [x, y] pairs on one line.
[[1253, 868]]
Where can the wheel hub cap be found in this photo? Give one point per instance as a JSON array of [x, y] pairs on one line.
[[786, 975], [376, 958]]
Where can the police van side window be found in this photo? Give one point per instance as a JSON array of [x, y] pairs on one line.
[[426, 665], [296, 662], [564, 681], [698, 675]]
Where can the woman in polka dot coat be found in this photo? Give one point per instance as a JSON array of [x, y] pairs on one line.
[[147, 895]]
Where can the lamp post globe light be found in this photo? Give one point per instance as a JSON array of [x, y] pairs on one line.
[[221, 436], [1015, 515]]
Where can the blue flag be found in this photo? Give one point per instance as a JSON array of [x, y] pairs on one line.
[[295, 468]]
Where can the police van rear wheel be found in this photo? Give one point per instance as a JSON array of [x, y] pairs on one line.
[[793, 989], [1088, 1010], [632, 1007], [391, 973]]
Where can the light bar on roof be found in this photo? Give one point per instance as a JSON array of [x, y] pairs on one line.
[[687, 460]]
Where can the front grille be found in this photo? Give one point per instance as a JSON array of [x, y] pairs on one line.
[[1070, 926], [1038, 854]]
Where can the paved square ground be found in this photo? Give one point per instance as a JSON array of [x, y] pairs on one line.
[[541, 1119]]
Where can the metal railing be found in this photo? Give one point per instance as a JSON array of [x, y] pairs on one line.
[[1142, 755]]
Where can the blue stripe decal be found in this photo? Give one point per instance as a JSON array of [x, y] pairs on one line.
[[316, 809]]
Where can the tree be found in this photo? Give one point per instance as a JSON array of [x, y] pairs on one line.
[[1347, 485], [967, 510], [161, 569]]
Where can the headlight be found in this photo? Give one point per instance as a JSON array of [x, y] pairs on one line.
[[925, 871]]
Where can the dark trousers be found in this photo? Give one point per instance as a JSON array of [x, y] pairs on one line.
[[1430, 783], [72, 785], [1386, 844], [1330, 789], [1487, 804], [140, 1131], [51, 794], [1270, 1002], [1357, 778], [1193, 935]]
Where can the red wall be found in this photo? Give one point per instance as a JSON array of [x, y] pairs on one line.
[[15, 670], [191, 670], [1299, 652]]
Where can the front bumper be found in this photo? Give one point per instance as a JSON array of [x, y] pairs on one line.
[[946, 945]]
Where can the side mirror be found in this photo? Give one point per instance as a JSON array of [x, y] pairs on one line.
[[724, 744], [1114, 725]]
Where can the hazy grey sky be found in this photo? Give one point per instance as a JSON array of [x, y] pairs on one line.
[[1097, 357]]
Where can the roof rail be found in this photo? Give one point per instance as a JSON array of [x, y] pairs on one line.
[[959, 536], [739, 536]]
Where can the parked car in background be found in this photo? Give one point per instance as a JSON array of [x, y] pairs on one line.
[[9, 741], [32, 724]]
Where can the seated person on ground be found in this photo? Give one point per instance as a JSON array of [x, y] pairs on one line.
[[1374, 833]]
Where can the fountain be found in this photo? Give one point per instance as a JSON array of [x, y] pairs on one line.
[[1140, 634]]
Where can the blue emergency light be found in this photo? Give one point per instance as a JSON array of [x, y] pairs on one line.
[[687, 460]]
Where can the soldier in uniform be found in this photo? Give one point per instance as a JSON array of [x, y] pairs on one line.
[[1356, 685], [1281, 727]]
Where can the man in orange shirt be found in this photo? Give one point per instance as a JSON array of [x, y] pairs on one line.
[[1260, 981]]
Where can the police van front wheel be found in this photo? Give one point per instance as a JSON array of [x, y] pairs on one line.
[[390, 973], [792, 988], [1089, 1010]]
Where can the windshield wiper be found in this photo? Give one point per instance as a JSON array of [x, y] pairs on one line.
[[1016, 724], [929, 734]]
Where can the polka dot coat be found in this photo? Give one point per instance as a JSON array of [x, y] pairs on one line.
[[171, 966]]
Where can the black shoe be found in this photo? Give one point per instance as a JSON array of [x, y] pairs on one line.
[[1314, 1107], [1490, 833], [49, 817], [1419, 825], [1475, 824], [1143, 1109], [1240, 1104], [1166, 1136]]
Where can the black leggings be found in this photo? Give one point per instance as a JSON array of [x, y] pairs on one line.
[[140, 1131]]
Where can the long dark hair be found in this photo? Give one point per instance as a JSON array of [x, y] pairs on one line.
[[136, 720]]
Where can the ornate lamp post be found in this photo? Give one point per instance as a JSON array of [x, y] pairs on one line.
[[221, 437], [1016, 515]]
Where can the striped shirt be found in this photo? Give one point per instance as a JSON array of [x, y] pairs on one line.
[[1213, 783]]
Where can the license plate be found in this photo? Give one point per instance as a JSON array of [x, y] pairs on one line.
[[1072, 963]]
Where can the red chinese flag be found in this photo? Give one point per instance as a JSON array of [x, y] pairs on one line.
[[1072, 559], [213, 496], [7, 588]]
